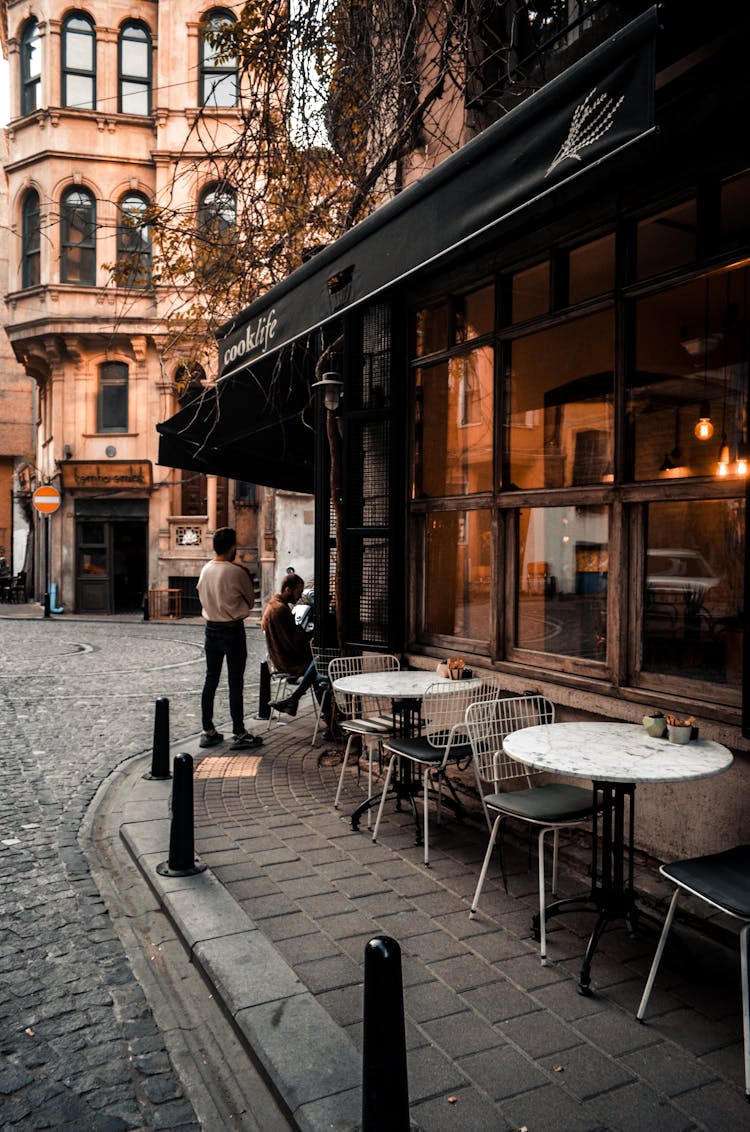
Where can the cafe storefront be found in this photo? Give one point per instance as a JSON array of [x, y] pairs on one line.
[[543, 347]]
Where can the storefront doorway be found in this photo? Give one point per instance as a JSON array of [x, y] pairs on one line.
[[111, 560]]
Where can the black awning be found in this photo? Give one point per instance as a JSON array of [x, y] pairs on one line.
[[255, 426], [586, 116]]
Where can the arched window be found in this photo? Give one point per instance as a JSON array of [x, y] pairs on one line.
[[218, 74], [79, 62], [112, 406], [217, 209], [134, 61], [77, 236], [133, 241], [30, 240], [31, 68]]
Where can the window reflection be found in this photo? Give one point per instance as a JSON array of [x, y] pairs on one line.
[[562, 392], [693, 604], [563, 569], [453, 425], [458, 553], [690, 353]]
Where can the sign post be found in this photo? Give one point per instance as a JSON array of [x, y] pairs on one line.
[[46, 500]]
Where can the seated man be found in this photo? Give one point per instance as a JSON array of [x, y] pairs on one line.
[[289, 646]]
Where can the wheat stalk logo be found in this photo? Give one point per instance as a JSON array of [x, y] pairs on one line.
[[591, 120]]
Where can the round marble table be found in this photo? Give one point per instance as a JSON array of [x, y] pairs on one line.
[[615, 757], [405, 689]]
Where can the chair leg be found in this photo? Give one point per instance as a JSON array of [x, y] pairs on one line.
[[485, 866], [543, 896], [555, 848], [371, 749], [386, 787], [745, 965], [657, 957], [343, 772], [318, 709], [426, 818]]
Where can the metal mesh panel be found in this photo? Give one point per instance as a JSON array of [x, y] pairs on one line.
[[375, 386], [369, 468], [367, 590]]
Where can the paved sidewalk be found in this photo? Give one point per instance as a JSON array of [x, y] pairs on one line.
[[495, 1041]]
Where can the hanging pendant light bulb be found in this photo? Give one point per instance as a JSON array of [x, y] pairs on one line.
[[741, 468], [704, 429], [723, 467]]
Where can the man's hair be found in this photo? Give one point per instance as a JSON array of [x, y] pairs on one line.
[[224, 539], [290, 581]]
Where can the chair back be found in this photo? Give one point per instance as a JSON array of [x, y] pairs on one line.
[[352, 706], [323, 658], [444, 707], [488, 724]]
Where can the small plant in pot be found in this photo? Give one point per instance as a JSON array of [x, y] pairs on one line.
[[655, 724], [681, 730]]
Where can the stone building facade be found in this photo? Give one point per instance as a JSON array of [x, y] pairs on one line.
[[104, 102]]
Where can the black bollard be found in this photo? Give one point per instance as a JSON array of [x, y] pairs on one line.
[[160, 753], [181, 861], [264, 692], [385, 1087]]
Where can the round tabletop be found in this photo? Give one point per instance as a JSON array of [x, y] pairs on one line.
[[615, 752], [410, 685]]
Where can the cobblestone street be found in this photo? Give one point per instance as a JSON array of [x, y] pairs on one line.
[[80, 1048]]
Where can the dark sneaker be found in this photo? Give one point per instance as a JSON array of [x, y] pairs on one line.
[[288, 706], [246, 742], [211, 740]]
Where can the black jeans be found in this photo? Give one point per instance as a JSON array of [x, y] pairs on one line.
[[229, 642]]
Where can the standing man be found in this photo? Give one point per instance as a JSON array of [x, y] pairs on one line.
[[227, 595], [289, 646]]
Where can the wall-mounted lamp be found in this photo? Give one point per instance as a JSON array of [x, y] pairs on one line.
[[332, 388], [67, 452]]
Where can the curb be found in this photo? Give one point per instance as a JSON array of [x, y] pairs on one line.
[[312, 1064]]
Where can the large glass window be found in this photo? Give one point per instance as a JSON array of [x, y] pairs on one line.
[[31, 240], [112, 407], [31, 68], [134, 241], [218, 73], [79, 62], [563, 572], [458, 560], [691, 366], [668, 240], [693, 600], [135, 69], [454, 425], [77, 237], [561, 405]]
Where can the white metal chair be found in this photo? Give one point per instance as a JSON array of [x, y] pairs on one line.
[[723, 881], [322, 658], [361, 716], [444, 740], [281, 685], [551, 806]]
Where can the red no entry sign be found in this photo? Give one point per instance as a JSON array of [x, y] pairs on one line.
[[46, 499]]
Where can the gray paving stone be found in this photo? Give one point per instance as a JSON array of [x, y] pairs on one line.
[[460, 1034], [669, 1069], [464, 1109], [503, 1072], [539, 1034], [588, 1073]]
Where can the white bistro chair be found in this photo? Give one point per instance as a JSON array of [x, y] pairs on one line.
[[443, 741], [507, 791], [361, 716]]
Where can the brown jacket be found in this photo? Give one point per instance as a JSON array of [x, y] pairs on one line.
[[288, 646]]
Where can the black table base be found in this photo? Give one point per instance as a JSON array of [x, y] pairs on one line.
[[611, 896]]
